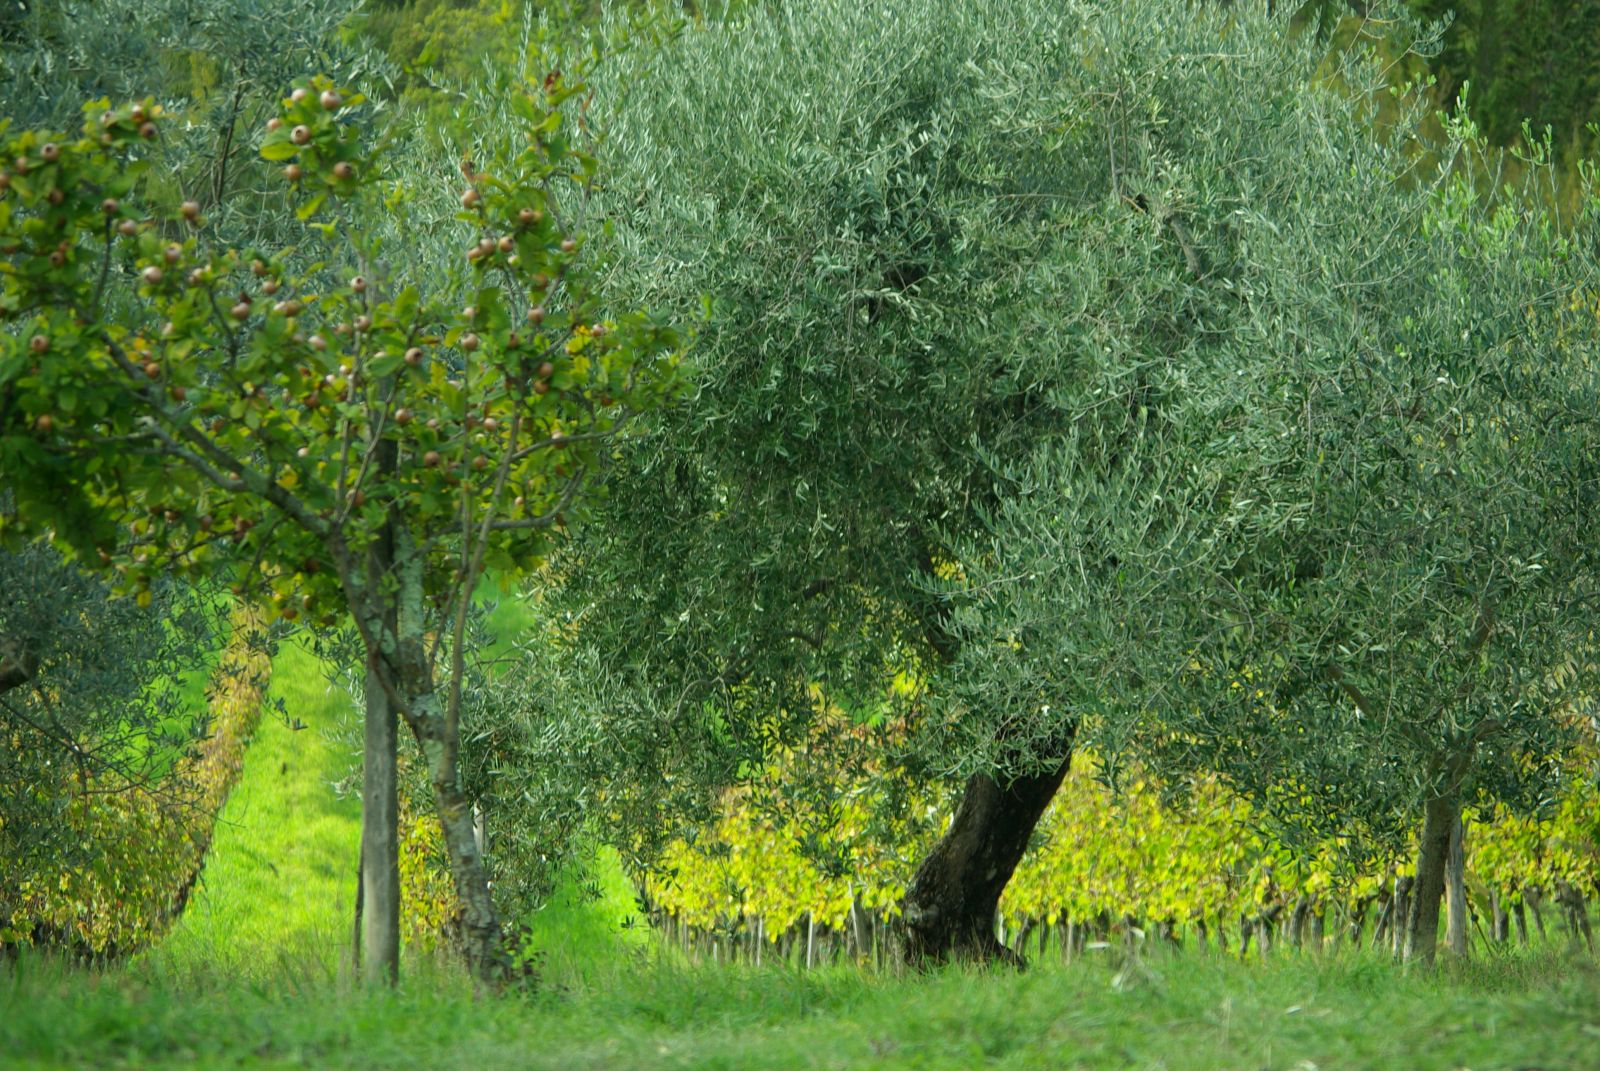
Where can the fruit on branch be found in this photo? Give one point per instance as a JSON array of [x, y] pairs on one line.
[[343, 171], [300, 135], [331, 101], [190, 210], [39, 343], [293, 172]]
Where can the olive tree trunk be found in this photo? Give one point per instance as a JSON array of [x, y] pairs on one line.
[[949, 907], [1422, 925]]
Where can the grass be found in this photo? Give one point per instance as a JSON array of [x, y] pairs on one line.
[[1188, 1012], [279, 879]]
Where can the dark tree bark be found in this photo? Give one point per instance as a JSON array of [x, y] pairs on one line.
[[949, 908], [1422, 925]]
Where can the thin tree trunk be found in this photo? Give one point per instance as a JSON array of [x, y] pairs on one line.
[[949, 907], [380, 810], [1422, 925], [1456, 888], [1501, 930]]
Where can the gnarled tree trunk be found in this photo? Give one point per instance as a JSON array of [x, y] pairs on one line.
[[1422, 926], [949, 908]]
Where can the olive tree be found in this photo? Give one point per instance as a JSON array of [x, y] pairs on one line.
[[90, 692], [348, 444], [957, 259]]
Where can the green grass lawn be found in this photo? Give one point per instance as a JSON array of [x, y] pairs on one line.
[[1189, 1012], [279, 881]]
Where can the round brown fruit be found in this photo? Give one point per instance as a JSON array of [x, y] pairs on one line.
[[39, 343], [506, 244], [344, 171], [241, 311], [536, 314], [56, 196], [359, 284], [109, 206], [470, 198], [414, 357], [293, 172], [147, 131], [331, 101], [45, 423], [152, 369], [300, 135], [180, 394], [270, 287], [57, 258], [480, 462], [541, 388], [529, 216], [299, 95], [546, 370], [127, 228], [363, 323], [402, 416], [172, 254], [190, 210], [469, 341], [151, 275], [274, 123], [50, 151], [568, 245], [431, 459]]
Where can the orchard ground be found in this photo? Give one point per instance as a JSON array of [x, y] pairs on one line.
[[252, 977]]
